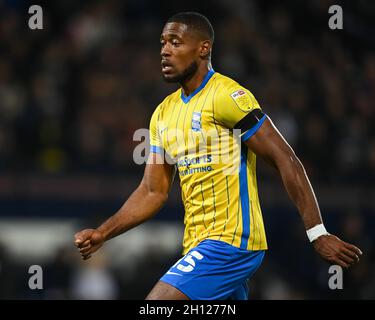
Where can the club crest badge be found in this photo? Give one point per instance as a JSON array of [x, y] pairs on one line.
[[196, 123]]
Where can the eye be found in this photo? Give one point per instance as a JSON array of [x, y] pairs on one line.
[[175, 43]]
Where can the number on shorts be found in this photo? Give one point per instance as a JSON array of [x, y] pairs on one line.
[[189, 258]]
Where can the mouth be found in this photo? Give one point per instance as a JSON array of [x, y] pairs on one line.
[[166, 66]]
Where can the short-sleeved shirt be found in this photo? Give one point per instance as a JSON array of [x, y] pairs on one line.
[[216, 169]]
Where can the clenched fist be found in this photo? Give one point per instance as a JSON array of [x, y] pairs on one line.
[[88, 241]]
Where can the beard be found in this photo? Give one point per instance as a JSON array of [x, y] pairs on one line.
[[184, 76]]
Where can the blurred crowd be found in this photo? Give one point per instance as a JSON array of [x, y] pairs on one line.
[[72, 95], [290, 270]]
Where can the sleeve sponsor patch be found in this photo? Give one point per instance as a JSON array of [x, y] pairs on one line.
[[242, 100]]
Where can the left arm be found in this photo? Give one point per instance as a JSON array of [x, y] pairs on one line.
[[269, 144]]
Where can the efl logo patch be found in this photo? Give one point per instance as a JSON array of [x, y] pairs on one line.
[[242, 100], [196, 124], [238, 94]]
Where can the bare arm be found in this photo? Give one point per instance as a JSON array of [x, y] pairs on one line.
[[269, 144], [143, 204]]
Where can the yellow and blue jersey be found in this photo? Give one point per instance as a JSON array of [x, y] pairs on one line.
[[217, 171]]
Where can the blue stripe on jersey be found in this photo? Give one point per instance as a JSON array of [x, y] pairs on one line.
[[244, 195], [249, 133], [204, 82], [156, 149]]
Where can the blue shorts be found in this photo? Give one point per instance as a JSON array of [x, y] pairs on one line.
[[214, 270]]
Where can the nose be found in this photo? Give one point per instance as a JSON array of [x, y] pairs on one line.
[[165, 50]]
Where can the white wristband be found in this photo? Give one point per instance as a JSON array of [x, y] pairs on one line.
[[315, 232]]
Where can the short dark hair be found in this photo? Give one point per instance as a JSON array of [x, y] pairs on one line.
[[196, 21]]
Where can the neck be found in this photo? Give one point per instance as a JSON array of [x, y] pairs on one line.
[[195, 81]]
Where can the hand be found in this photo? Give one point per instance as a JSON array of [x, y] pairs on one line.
[[88, 241], [336, 251]]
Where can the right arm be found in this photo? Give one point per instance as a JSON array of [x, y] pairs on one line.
[[143, 204]]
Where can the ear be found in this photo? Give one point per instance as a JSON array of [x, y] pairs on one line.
[[205, 48]]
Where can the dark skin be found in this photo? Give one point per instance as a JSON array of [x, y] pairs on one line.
[[181, 49]]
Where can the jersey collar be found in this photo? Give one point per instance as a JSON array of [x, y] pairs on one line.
[[208, 76]]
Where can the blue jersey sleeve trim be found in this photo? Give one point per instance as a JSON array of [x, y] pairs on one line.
[[249, 133], [155, 149]]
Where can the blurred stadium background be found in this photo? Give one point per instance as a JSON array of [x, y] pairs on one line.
[[72, 95]]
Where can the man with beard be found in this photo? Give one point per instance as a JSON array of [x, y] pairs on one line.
[[191, 131]]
